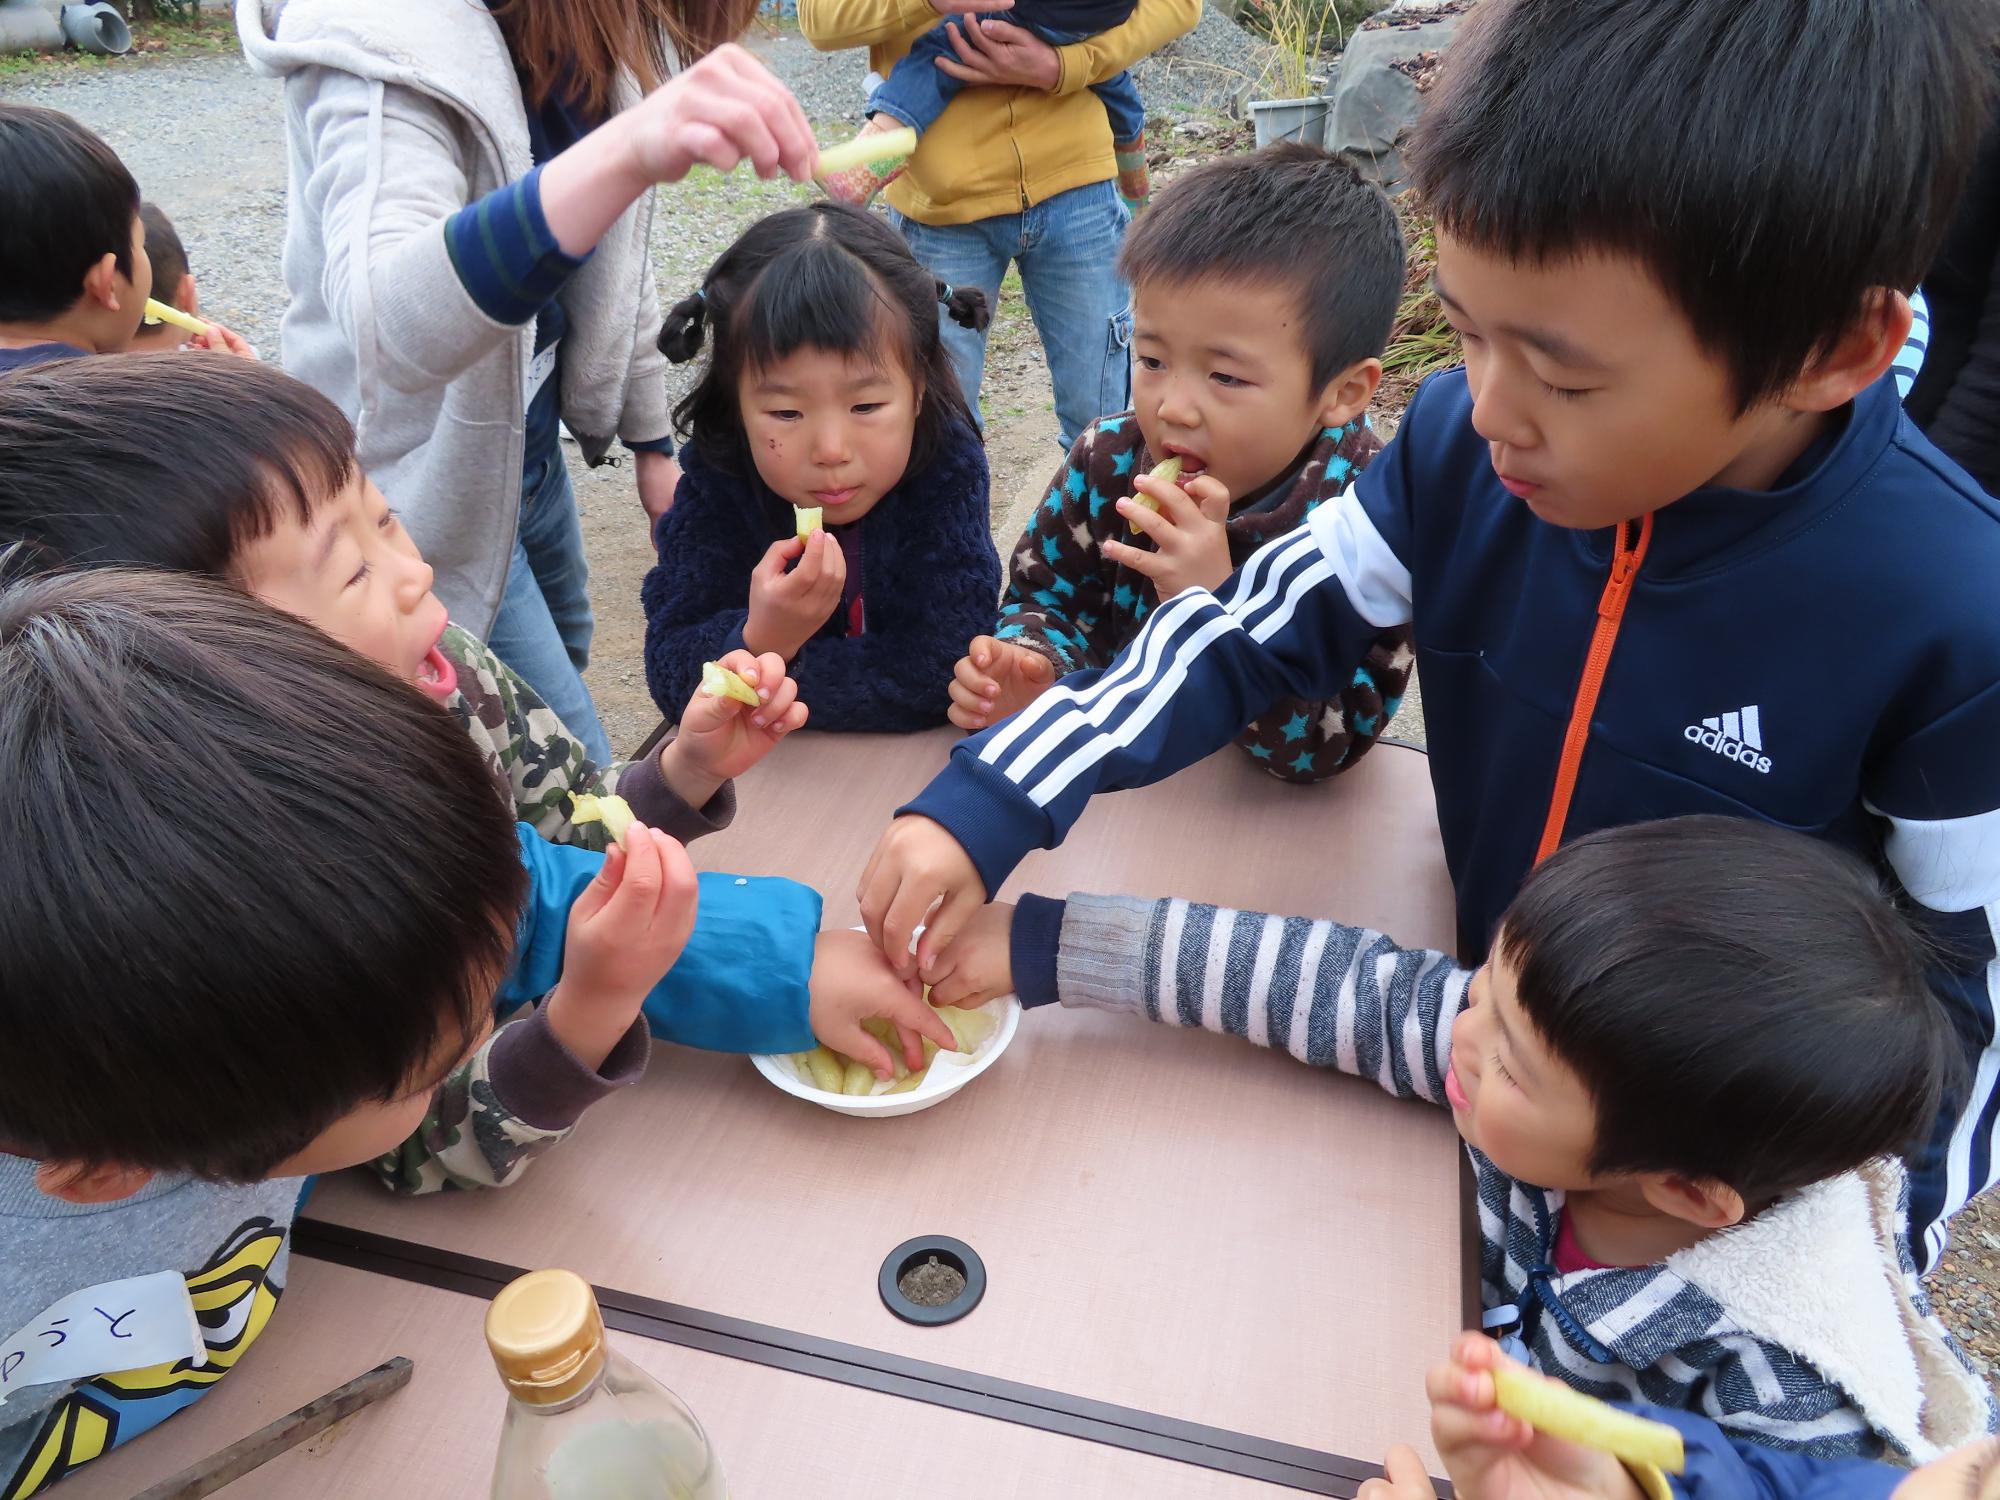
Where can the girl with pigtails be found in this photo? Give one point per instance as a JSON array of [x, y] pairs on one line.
[[826, 389]]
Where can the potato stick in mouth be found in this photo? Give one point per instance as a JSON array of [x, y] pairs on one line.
[[1170, 471]]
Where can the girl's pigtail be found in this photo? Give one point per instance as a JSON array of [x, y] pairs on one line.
[[681, 335], [965, 306]]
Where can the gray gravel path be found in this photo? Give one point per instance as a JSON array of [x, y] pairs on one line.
[[206, 140]]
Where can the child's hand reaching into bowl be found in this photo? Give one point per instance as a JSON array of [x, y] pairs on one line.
[[721, 738], [626, 930], [980, 965], [851, 983]]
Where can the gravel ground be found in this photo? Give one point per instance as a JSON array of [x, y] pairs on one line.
[[205, 137]]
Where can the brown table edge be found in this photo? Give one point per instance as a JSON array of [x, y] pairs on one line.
[[1241, 1454], [939, 1385]]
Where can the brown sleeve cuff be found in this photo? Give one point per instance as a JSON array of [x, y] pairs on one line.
[[542, 1083], [658, 806]]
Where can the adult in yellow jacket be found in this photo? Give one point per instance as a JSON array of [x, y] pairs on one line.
[[1019, 170]]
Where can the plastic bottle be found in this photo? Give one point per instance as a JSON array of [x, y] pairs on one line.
[[583, 1422]]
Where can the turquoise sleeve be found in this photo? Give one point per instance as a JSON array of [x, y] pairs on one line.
[[742, 984]]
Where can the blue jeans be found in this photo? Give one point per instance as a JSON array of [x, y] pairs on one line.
[[1067, 249], [916, 91], [544, 625]]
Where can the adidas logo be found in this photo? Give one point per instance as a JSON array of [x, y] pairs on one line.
[[1736, 736]]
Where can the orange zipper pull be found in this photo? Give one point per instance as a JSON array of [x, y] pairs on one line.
[[1625, 563]]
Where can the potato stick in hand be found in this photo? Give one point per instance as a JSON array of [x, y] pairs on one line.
[[866, 150], [160, 312], [719, 682], [614, 812], [1570, 1416]]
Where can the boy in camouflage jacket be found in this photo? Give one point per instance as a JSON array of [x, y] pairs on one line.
[[677, 790], [1263, 289]]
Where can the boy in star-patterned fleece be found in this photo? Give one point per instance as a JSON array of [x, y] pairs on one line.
[[1263, 291]]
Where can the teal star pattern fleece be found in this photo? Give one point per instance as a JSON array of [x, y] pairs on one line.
[[1066, 600]]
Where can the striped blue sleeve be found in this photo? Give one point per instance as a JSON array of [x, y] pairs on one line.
[[505, 254], [1032, 945], [1909, 361], [1332, 996]]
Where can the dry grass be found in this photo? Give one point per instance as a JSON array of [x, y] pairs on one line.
[[1422, 342]]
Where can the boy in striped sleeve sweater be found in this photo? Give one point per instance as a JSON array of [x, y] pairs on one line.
[[1684, 1027]]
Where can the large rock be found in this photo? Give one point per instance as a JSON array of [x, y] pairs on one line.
[[1374, 100]]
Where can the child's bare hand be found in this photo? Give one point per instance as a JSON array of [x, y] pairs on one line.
[[852, 983], [1489, 1455], [918, 865], [657, 476], [1191, 541], [625, 931], [788, 608], [980, 965], [1403, 1478], [996, 678], [720, 738], [969, 7], [222, 341]]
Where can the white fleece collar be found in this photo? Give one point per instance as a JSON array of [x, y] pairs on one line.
[[1822, 1274]]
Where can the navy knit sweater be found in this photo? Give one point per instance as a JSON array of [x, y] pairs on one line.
[[930, 578]]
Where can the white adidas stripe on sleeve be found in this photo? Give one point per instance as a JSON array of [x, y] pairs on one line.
[[1338, 541], [1948, 864], [1377, 582]]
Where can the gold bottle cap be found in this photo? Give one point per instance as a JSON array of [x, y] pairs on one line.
[[546, 1337]]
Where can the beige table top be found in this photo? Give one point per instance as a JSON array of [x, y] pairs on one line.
[[779, 1434], [1172, 1222]]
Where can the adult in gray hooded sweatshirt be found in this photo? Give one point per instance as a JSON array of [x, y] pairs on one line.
[[469, 205]]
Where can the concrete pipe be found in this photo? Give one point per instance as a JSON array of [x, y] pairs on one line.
[[30, 25], [96, 28]]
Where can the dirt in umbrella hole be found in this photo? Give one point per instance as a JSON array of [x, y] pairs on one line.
[[932, 1284]]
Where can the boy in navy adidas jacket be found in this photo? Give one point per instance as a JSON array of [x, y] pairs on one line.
[[1676, 547]]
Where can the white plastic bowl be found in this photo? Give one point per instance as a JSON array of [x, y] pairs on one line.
[[949, 1072]]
